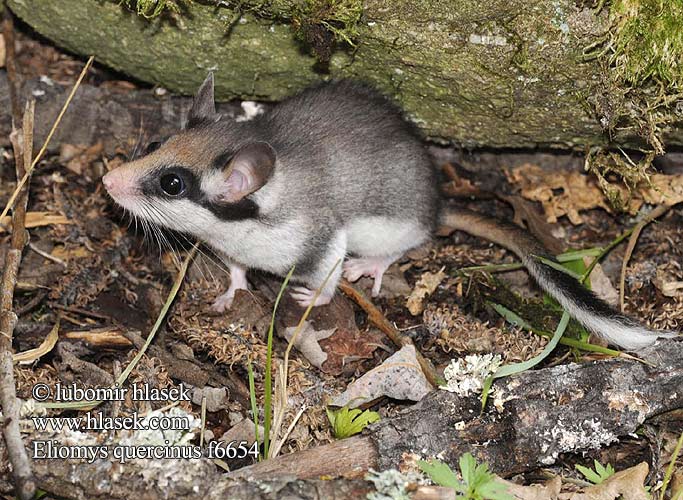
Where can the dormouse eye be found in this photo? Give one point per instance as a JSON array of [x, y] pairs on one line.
[[152, 146], [172, 184]]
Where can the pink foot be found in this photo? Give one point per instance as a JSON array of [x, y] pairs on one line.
[[374, 267], [238, 281], [304, 297]]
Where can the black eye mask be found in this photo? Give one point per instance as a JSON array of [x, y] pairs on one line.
[[176, 183]]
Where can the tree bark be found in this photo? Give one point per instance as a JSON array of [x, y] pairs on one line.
[[500, 73]]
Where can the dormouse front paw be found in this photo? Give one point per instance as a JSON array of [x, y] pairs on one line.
[[223, 302]]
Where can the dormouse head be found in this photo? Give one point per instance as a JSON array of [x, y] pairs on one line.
[[198, 177]]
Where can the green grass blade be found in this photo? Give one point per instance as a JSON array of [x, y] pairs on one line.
[[506, 370], [268, 383], [252, 400]]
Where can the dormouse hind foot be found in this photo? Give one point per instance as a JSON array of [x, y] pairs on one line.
[[374, 267], [304, 296]]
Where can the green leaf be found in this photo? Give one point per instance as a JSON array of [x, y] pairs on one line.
[[346, 422], [598, 475], [578, 254], [468, 468], [441, 474], [477, 482]]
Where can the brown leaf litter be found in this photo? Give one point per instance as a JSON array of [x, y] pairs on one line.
[[569, 192]]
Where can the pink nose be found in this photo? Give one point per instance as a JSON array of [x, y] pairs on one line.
[[108, 181], [116, 183]]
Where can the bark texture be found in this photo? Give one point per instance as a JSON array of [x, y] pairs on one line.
[[500, 73]]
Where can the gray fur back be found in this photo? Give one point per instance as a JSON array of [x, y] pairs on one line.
[[346, 151]]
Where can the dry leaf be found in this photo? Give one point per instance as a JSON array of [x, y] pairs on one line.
[[577, 191], [399, 377], [307, 342], [36, 219], [601, 284], [339, 353], [548, 491], [78, 158], [27, 357], [424, 288], [667, 284], [568, 192], [61, 252], [625, 485], [217, 398], [3, 53], [664, 190]]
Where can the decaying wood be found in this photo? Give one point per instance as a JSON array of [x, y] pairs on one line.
[[350, 457], [178, 479], [500, 73], [544, 413]]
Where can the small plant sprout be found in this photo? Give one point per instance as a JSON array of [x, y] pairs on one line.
[[598, 474], [346, 422], [467, 376], [477, 482]]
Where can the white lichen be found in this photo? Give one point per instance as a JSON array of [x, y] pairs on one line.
[[466, 376], [391, 484]]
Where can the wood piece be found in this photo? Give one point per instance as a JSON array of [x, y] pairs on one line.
[[350, 457], [177, 479], [521, 84], [101, 338], [22, 145]]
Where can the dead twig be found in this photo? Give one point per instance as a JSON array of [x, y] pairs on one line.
[[380, 321], [637, 229], [24, 482]]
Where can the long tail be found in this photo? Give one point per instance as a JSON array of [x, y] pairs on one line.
[[582, 304]]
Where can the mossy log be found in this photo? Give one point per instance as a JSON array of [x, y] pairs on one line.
[[492, 73]]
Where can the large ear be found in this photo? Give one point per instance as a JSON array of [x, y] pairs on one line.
[[248, 171], [203, 105]]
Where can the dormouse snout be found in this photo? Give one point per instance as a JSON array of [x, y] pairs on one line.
[[118, 185]]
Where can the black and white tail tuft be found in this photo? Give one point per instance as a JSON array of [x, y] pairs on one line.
[[582, 304]]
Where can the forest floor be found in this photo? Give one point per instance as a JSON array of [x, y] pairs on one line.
[[104, 283]]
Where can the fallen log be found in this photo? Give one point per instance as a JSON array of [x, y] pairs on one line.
[[501, 73], [531, 419]]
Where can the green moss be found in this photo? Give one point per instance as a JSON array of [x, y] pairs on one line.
[[340, 17], [647, 41], [639, 92], [320, 24], [152, 8]]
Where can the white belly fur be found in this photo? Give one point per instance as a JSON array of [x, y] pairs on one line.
[[381, 236]]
